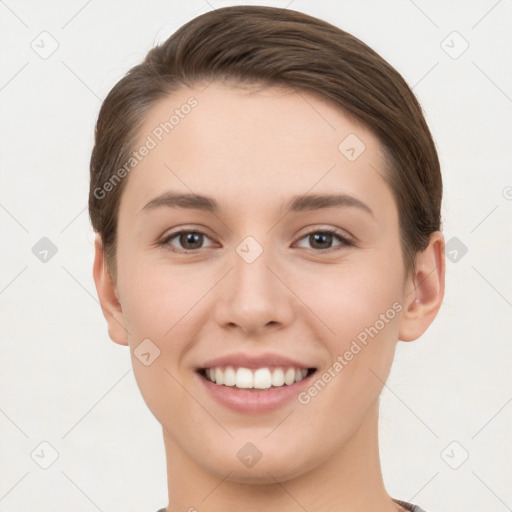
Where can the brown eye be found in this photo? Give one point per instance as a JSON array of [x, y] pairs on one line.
[[191, 240], [323, 239], [186, 240]]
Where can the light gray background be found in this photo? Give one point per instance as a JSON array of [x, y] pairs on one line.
[[63, 382]]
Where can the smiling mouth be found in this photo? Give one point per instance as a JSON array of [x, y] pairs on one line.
[[259, 379]]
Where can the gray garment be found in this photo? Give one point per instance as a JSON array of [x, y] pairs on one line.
[[408, 506]]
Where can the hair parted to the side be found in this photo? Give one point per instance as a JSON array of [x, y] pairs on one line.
[[268, 46]]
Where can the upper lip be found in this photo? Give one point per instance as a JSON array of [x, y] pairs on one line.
[[240, 360]]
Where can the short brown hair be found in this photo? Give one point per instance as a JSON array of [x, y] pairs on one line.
[[276, 47]]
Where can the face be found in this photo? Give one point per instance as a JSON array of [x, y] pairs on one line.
[[260, 276]]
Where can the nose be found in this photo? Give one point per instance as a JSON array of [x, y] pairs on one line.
[[254, 296]]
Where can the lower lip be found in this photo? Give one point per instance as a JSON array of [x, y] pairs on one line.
[[254, 401]]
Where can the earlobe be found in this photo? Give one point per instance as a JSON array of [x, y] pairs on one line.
[[107, 295], [425, 291]]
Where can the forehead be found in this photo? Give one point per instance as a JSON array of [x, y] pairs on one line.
[[256, 143]]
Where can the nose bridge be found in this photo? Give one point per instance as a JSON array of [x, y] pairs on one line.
[[252, 277], [253, 296]]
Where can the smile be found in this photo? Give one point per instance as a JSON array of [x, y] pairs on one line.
[[254, 391], [259, 378]]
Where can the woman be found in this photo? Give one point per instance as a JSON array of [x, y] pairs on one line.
[[266, 196]]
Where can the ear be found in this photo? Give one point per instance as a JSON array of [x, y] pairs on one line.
[[107, 294], [424, 290]]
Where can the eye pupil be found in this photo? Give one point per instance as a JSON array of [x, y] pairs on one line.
[[321, 237], [193, 238]]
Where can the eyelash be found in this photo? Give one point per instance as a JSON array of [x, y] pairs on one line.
[[345, 241]]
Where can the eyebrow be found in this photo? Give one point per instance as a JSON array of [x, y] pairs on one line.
[[301, 203]]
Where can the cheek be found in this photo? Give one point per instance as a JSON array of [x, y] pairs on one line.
[[360, 305], [350, 297], [159, 296], [158, 307]]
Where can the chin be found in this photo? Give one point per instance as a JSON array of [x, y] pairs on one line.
[[268, 469], [265, 474]]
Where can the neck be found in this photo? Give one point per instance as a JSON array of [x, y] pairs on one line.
[[349, 479]]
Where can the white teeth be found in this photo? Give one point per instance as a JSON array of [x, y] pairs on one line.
[[300, 375], [229, 376], [261, 378], [277, 377], [289, 377], [244, 378]]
